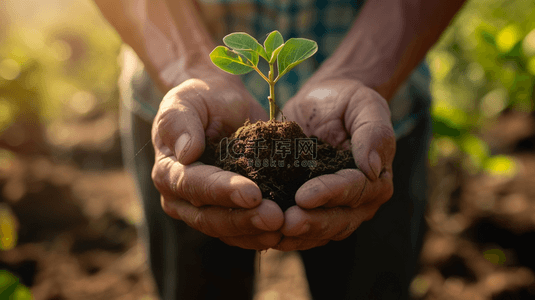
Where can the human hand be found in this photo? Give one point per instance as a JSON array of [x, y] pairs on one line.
[[331, 207], [218, 203]]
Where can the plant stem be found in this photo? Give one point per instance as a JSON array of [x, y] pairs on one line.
[[271, 97], [261, 74]]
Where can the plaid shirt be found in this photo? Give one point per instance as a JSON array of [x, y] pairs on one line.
[[323, 21]]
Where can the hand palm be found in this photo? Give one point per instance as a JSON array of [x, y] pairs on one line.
[[331, 207], [218, 203]]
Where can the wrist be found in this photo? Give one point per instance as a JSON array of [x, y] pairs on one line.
[[382, 51], [371, 64], [376, 78]]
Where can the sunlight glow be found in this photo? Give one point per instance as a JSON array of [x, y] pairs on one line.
[[476, 73], [528, 44], [62, 50], [446, 146], [441, 65], [321, 93], [501, 165], [83, 102], [493, 103], [8, 233], [508, 37], [9, 69], [443, 109], [476, 149]]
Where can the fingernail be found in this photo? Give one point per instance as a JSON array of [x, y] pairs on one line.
[[375, 163], [259, 223], [182, 145]]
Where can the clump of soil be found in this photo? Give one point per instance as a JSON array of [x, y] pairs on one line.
[[277, 156]]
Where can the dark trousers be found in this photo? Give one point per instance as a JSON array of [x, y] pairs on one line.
[[377, 261]]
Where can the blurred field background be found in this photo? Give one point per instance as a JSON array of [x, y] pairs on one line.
[[68, 212]]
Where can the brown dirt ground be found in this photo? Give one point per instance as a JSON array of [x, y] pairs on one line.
[[77, 215]]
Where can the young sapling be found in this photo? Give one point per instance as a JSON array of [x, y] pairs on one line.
[[244, 51], [269, 152]]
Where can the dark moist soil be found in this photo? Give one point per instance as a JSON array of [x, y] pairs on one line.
[[277, 156]]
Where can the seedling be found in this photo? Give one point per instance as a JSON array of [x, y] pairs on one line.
[[270, 152], [243, 52]]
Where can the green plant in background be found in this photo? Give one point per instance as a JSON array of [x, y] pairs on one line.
[[483, 65], [11, 289], [44, 71], [8, 230], [495, 256], [244, 53]]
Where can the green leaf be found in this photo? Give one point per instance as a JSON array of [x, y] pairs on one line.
[[294, 51], [251, 56], [275, 54], [8, 284], [241, 42], [22, 293], [272, 43], [442, 127], [230, 61]]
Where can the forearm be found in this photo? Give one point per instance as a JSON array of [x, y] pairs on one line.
[[388, 39], [167, 35]]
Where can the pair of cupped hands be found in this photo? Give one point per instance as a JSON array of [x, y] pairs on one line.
[[230, 207]]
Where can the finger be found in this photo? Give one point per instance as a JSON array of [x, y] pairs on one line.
[[326, 224], [182, 119], [220, 222], [336, 220], [261, 241], [204, 184], [372, 136], [289, 243], [343, 188]]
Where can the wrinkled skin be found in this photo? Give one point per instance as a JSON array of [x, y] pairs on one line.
[[218, 203], [331, 207], [229, 206]]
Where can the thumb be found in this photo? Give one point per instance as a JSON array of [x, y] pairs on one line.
[[180, 127], [373, 142]]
